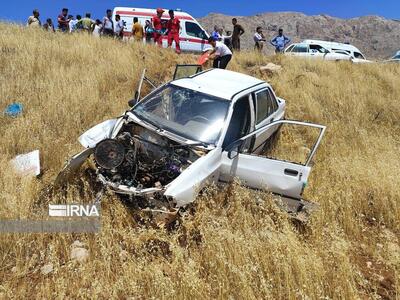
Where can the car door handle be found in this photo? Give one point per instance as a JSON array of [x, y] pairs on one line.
[[291, 172]]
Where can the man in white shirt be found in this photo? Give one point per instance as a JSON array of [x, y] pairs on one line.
[[34, 21], [259, 39], [73, 23], [221, 54], [119, 27], [97, 28], [108, 24]]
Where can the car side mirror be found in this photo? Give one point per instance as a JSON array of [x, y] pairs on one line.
[[234, 149]]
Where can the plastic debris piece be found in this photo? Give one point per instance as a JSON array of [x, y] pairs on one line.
[[14, 110], [203, 58], [27, 164]]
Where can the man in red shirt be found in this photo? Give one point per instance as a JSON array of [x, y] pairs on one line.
[[173, 27], [157, 25]]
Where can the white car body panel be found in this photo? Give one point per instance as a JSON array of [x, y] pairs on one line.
[[191, 42], [96, 134], [205, 170], [224, 84], [72, 166], [280, 177], [266, 174]]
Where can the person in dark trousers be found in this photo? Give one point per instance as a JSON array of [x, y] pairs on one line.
[[48, 26], [63, 20], [280, 42], [108, 24], [173, 27], [237, 33], [228, 40], [149, 31], [221, 54], [119, 27]]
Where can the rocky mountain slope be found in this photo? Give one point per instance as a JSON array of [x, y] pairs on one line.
[[377, 37]]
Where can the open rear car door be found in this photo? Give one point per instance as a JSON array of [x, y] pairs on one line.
[[283, 178]]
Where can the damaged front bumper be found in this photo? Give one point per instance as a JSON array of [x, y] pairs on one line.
[[129, 190]]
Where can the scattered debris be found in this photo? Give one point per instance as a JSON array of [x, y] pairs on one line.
[[27, 164], [78, 252], [163, 218], [78, 244], [46, 269], [14, 270], [203, 58], [14, 110], [271, 68]]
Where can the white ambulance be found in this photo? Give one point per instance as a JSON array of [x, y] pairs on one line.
[[192, 36]]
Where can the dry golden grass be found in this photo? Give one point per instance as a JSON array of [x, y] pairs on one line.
[[237, 244]]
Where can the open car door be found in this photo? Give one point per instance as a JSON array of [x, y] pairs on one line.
[[280, 177]]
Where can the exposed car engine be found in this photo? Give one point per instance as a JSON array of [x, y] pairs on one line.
[[140, 158]]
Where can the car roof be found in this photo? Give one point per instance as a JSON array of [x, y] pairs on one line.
[[336, 45], [220, 83]]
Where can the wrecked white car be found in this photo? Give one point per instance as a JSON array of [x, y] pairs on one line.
[[206, 128]]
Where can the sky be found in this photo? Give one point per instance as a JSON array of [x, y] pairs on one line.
[[19, 10]]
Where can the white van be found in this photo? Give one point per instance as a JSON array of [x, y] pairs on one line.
[[354, 52], [192, 36]]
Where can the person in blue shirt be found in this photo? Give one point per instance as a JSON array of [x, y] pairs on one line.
[[280, 42], [215, 34]]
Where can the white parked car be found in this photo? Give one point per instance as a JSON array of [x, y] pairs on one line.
[[207, 128], [327, 50], [315, 51], [356, 55]]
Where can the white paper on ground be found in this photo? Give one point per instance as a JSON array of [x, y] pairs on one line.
[[27, 164]]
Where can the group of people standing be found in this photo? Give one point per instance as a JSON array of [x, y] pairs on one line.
[[153, 31], [279, 42], [223, 45], [232, 38], [67, 23], [156, 29]]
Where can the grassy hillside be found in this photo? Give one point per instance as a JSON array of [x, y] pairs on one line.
[[232, 246]]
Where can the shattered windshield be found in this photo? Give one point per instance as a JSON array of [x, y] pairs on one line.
[[187, 113]]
